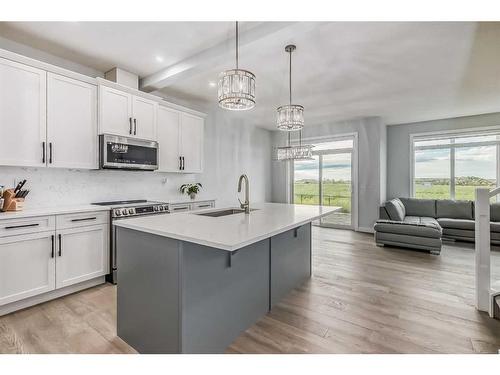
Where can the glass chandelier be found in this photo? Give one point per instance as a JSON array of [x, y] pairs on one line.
[[236, 89], [290, 116], [297, 152]]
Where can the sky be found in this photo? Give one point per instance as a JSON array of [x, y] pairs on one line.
[[337, 167], [469, 161]]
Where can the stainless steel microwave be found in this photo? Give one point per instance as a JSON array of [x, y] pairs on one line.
[[117, 152]]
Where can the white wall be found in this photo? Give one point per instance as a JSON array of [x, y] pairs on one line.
[[371, 150], [230, 150], [399, 148]]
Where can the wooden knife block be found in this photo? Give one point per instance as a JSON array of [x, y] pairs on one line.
[[11, 203]]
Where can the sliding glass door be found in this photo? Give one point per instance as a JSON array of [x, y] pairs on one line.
[[328, 180]]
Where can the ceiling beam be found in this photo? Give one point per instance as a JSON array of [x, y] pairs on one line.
[[209, 57]]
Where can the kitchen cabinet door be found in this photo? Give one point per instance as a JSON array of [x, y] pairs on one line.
[[22, 114], [192, 128], [82, 254], [115, 112], [169, 139], [71, 123], [27, 266], [144, 118]]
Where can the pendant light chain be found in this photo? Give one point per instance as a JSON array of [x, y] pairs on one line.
[[290, 78], [237, 45]]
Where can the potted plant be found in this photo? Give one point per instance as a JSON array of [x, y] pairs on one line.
[[191, 189]]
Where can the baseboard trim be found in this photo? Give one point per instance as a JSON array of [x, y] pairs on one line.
[[53, 294], [365, 230]]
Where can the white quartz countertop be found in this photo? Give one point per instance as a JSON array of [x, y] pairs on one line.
[[43, 211], [230, 232]]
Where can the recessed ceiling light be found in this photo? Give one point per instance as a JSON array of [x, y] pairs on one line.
[[159, 58], [212, 84]]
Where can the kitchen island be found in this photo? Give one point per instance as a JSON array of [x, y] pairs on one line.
[[192, 282]]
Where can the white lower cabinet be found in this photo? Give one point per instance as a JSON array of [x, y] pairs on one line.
[[27, 266], [82, 254], [50, 258]]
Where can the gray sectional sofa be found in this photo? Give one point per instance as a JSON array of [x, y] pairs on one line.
[[423, 223]]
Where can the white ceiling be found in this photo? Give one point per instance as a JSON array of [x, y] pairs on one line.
[[403, 72]]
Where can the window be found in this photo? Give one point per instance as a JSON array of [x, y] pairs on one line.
[[453, 166]]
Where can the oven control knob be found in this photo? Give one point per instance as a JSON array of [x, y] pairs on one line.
[[160, 208], [118, 213], [131, 211], [165, 208], [124, 211], [155, 208]]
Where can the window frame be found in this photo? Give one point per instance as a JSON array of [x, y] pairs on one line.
[[452, 146]]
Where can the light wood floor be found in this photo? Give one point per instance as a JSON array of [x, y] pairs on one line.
[[361, 299]]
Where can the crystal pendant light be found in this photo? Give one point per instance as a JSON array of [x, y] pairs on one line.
[[290, 116], [297, 152], [236, 90]]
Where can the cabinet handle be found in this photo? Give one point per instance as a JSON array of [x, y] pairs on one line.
[[205, 205], [84, 219], [53, 253], [60, 244], [43, 152], [135, 126], [50, 152], [22, 226], [130, 122], [180, 208], [180, 163], [295, 232], [183, 163]]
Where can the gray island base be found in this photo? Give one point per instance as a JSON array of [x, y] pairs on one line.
[[176, 296]]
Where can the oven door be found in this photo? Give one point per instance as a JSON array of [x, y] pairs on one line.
[[127, 153]]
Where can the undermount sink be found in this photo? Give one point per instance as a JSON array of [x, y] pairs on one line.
[[223, 212]]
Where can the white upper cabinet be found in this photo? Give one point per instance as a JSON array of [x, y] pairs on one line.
[[115, 111], [192, 129], [22, 114], [169, 122], [125, 114], [144, 117], [71, 123], [180, 138]]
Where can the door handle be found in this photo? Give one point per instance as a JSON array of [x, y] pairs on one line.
[[60, 244], [50, 152], [130, 122], [135, 126], [43, 152], [52, 254]]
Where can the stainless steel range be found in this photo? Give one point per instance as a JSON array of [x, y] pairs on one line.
[[122, 210]]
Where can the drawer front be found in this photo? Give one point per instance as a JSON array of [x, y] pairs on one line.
[[81, 219], [179, 207], [202, 205], [11, 227]]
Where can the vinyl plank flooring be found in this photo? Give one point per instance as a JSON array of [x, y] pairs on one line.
[[361, 299]]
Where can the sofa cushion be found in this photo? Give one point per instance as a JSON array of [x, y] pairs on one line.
[[418, 229], [419, 207], [494, 227], [456, 223], [458, 233], [454, 209], [495, 211], [395, 209]]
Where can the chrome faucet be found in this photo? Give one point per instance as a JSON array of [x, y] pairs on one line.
[[245, 205]]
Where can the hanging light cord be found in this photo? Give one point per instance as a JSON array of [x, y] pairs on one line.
[[290, 78], [236, 44]]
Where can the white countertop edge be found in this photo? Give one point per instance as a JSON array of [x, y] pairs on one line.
[[47, 211], [230, 248]]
